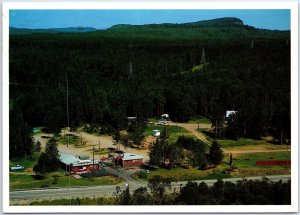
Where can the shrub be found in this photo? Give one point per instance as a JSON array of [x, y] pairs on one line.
[[44, 185], [142, 174]]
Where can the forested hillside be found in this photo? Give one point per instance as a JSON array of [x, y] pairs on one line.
[[148, 70]]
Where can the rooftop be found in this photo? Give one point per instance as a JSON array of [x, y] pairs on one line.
[[70, 159], [130, 156]]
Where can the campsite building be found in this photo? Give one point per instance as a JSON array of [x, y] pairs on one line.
[[75, 165], [128, 159], [156, 133], [230, 113]]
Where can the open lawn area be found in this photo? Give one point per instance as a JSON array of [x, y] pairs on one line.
[[246, 164], [180, 174], [200, 120], [27, 162], [245, 143], [25, 181], [172, 130], [69, 140]]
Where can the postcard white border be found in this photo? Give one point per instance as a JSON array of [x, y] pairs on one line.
[[293, 6]]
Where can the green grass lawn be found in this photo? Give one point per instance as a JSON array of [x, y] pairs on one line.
[[25, 181], [69, 140], [180, 174], [107, 200], [248, 160], [200, 120], [27, 162], [225, 143], [173, 131], [246, 164]]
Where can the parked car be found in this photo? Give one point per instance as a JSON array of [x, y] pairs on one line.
[[18, 167]]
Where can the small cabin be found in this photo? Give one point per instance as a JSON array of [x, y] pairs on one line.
[[156, 133], [230, 113], [165, 117]]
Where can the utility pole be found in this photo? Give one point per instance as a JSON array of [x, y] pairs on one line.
[[93, 157], [99, 146], [203, 61], [216, 128], [68, 107], [281, 136], [252, 44], [130, 70]]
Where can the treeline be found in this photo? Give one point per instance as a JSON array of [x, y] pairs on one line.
[[143, 73], [243, 192]]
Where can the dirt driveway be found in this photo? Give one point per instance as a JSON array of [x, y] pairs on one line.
[[91, 140]]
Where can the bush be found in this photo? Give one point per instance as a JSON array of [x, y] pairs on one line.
[[142, 174], [44, 185], [55, 179], [96, 173], [37, 146]]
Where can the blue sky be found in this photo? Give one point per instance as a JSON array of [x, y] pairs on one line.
[[101, 19]]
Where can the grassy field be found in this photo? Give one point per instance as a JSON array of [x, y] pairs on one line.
[[247, 160], [245, 164], [200, 120], [173, 131], [69, 140], [27, 162], [78, 201], [180, 174], [26, 181], [226, 143]]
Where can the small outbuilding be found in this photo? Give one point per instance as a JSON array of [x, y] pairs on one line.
[[230, 113], [156, 133], [75, 165], [129, 159], [165, 117]]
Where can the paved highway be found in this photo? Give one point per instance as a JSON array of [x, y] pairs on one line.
[[106, 190]]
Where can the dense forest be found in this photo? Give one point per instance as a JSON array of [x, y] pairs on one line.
[[148, 70]]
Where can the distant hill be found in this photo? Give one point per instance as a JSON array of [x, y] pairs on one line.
[[228, 28], [13, 30], [227, 21]]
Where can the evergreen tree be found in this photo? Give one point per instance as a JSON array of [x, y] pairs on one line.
[[215, 153], [156, 152], [158, 186], [49, 160], [37, 146], [20, 136]]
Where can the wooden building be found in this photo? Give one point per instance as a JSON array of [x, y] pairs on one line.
[[129, 159], [75, 165]]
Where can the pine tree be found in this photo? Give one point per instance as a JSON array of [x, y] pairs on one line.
[[215, 153]]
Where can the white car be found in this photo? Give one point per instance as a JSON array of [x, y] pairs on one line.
[[18, 167]]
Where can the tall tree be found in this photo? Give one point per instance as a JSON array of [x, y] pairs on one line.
[[49, 160], [215, 153], [20, 136], [158, 187]]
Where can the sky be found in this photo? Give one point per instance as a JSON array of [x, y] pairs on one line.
[[102, 19]]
